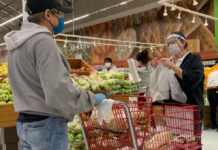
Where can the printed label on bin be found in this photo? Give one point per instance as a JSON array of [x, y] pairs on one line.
[[133, 99]]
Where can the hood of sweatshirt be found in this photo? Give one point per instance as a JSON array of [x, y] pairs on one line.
[[16, 38]]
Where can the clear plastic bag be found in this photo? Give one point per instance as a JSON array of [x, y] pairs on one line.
[[162, 82]]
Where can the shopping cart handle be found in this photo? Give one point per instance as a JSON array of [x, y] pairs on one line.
[[118, 103]]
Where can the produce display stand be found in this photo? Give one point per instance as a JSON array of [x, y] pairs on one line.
[[9, 139], [135, 126], [76, 64], [8, 133]]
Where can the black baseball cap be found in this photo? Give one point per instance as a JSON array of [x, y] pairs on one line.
[[37, 6]]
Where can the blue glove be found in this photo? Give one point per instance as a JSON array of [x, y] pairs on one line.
[[100, 97]]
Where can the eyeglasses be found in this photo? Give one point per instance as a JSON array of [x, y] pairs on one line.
[[58, 12]]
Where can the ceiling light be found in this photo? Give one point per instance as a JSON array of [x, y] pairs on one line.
[[165, 11], [173, 8], [179, 15], [193, 20], [206, 22], [195, 3], [11, 20]]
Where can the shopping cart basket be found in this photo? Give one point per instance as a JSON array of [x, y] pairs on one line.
[[141, 126]]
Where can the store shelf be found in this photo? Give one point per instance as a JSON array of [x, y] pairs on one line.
[[7, 116]]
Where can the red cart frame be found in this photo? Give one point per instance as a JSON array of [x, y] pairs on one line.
[[142, 126]]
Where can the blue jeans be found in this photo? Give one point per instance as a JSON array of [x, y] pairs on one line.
[[47, 134]]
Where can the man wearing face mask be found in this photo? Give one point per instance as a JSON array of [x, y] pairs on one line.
[[187, 67], [108, 68], [43, 92]]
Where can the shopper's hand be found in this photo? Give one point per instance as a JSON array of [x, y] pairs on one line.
[[167, 63], [100, 97]]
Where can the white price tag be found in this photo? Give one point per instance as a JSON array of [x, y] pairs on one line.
[[133, 99]]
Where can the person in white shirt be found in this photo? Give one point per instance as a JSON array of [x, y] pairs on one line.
[[212, 94], [108, 67]]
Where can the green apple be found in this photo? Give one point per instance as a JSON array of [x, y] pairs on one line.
[[7, 87], [4, 97], [6, 92], [6, 80], [1, 85], [1, 91], [10, 97], [10, 102], [1, 103]]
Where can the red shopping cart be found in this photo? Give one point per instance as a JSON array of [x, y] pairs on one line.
[[141, 126]]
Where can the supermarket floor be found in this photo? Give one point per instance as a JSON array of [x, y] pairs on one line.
[[210, 139]]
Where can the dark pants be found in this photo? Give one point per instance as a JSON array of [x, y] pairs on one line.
[[213, 100]]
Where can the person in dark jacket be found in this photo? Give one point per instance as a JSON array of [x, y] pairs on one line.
[[188, 69]]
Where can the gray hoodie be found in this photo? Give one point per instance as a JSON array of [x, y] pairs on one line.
[[39, 75]]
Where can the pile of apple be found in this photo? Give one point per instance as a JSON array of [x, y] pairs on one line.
[[75, 135], [5, 92], [116, 83], [4, 69]]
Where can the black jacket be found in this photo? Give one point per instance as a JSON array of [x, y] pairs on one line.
[[193, 79]]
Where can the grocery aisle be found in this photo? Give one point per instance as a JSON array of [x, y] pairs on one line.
[[210, 139]]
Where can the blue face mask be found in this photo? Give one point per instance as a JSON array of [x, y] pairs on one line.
[[60, 27]]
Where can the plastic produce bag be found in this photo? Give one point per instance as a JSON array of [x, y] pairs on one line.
[[104, 110], [159, 87], [162, 82]]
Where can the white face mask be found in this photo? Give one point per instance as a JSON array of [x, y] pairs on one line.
[[107, 65], [174, 49]]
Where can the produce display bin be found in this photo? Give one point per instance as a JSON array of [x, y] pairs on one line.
[[136, 126], [76, 64], [7, 116]]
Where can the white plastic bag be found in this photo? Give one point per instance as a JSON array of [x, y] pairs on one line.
[[159, 84], [162, 82], [104, 110]]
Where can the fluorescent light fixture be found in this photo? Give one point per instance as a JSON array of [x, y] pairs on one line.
[[2, 44], [101, 10], [76, 19], [123, 3], [11, 20]]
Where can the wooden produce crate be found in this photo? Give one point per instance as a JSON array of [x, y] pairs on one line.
[[77, 64], [8, 117]]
